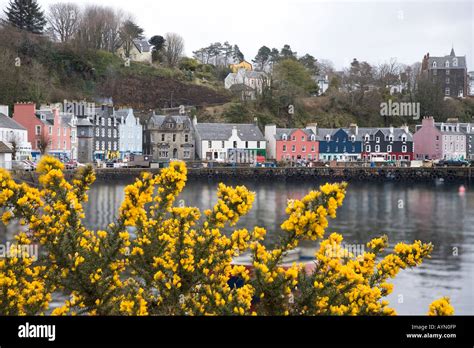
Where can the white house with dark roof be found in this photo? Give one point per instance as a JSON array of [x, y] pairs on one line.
[[141, 51], [130, 132], [15, 136], [247, 83], [223, 142]]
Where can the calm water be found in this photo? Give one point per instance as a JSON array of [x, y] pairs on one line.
[[430, 212]]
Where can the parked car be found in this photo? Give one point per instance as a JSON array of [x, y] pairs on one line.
[[453, 163], [24, 165]]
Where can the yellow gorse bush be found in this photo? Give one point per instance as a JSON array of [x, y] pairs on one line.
[[162, 259]]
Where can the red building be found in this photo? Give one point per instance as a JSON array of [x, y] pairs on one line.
[[292, 144], [49, 130]]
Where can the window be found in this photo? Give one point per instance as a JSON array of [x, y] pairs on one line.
[[38, 130], [302, 138], [447, 71], [102, 121], [103, 132], [163, 137], [390, 137], [434, 65], [109, 122], [258, 144], [115, 146], [284, 148], [50, 130], [367, 148], [65, 131], [97, 145], [353, 138], [303, 148], [328, 137], [293, 138], [209, 144], [97, 131], [235, 144], [377, 139], [103, 145], [186, 154], [186, 138], [404, 148], [389, 148], [293, 148], [284, 137], [109, 145], [313, 137], [223, 144], [109, 133], [312, 148], [404, 138], [435, 72], [366, 137], [309, 157], [447, 91], [446, 64], [447, 80], [64, 144], [174, 138], [455, 62], [97, 120], [115, 133]]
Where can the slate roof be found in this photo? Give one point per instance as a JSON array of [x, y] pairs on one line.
[[223, 131], [84, 121], [8, 122], [4, 148], [143, 45], [157, 120], [440, 61], [282, 131]]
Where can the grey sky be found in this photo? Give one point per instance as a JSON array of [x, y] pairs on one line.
[[334, 30]]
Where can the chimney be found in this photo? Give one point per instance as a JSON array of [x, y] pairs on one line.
[[428, 122], [195, 120], [4, 110], [270, 131], [354, 128], [234, 131], [391, 129], [405, 128], [255, 121]]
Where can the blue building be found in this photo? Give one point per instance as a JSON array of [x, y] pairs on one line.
[[342, 144]]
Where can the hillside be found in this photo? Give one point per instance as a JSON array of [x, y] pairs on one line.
[[35, 69]]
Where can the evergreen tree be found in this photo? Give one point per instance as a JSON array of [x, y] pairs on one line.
[[26, 15]]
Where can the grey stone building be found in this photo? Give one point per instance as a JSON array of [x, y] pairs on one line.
[[450, 72], [169, 137], [106, 133], [85, 140]]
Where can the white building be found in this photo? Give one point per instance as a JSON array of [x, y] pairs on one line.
[[247, 82], [5, 156], [14, 135], [228, 142], [130, 132], [140, 51], [323, 83]]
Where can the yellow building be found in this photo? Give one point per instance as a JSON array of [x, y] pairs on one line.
[[242, 65]]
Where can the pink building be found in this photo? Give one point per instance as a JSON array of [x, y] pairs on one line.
[[49, 130], [439, 140], [293, 144]]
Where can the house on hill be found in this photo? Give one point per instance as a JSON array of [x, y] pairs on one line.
[[140, 51]]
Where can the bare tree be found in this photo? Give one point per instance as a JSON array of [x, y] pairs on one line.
[[174, 48], [43, 143], [63, 19], [388, 73]]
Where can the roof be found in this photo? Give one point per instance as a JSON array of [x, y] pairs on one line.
[[84, 121], [223, 131], [142, 45], [4, 148], [8, 122], [157, 120], [288, 131], [440, 61]]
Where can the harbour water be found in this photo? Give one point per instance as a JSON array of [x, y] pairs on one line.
[[432, 212]]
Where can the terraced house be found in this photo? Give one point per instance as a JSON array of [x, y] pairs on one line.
[[292, 144], [169, 137], [229, 142], [385, 144], [342, 144]]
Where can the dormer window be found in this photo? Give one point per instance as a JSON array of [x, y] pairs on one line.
[[455, 62], [446, 64], [434, 65], [390, 137], [328, 137], [284, 137], [366, 137], [353, 138], [404, 138], [313, 138]]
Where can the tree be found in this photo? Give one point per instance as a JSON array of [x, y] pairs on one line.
[[174, 49], [63, 19], [287, 53], [310, 63], [43, 143], [262, 58], [238, 55], [128, 33], [26, 15], [158, 43], [388, 73], [179, 261]]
